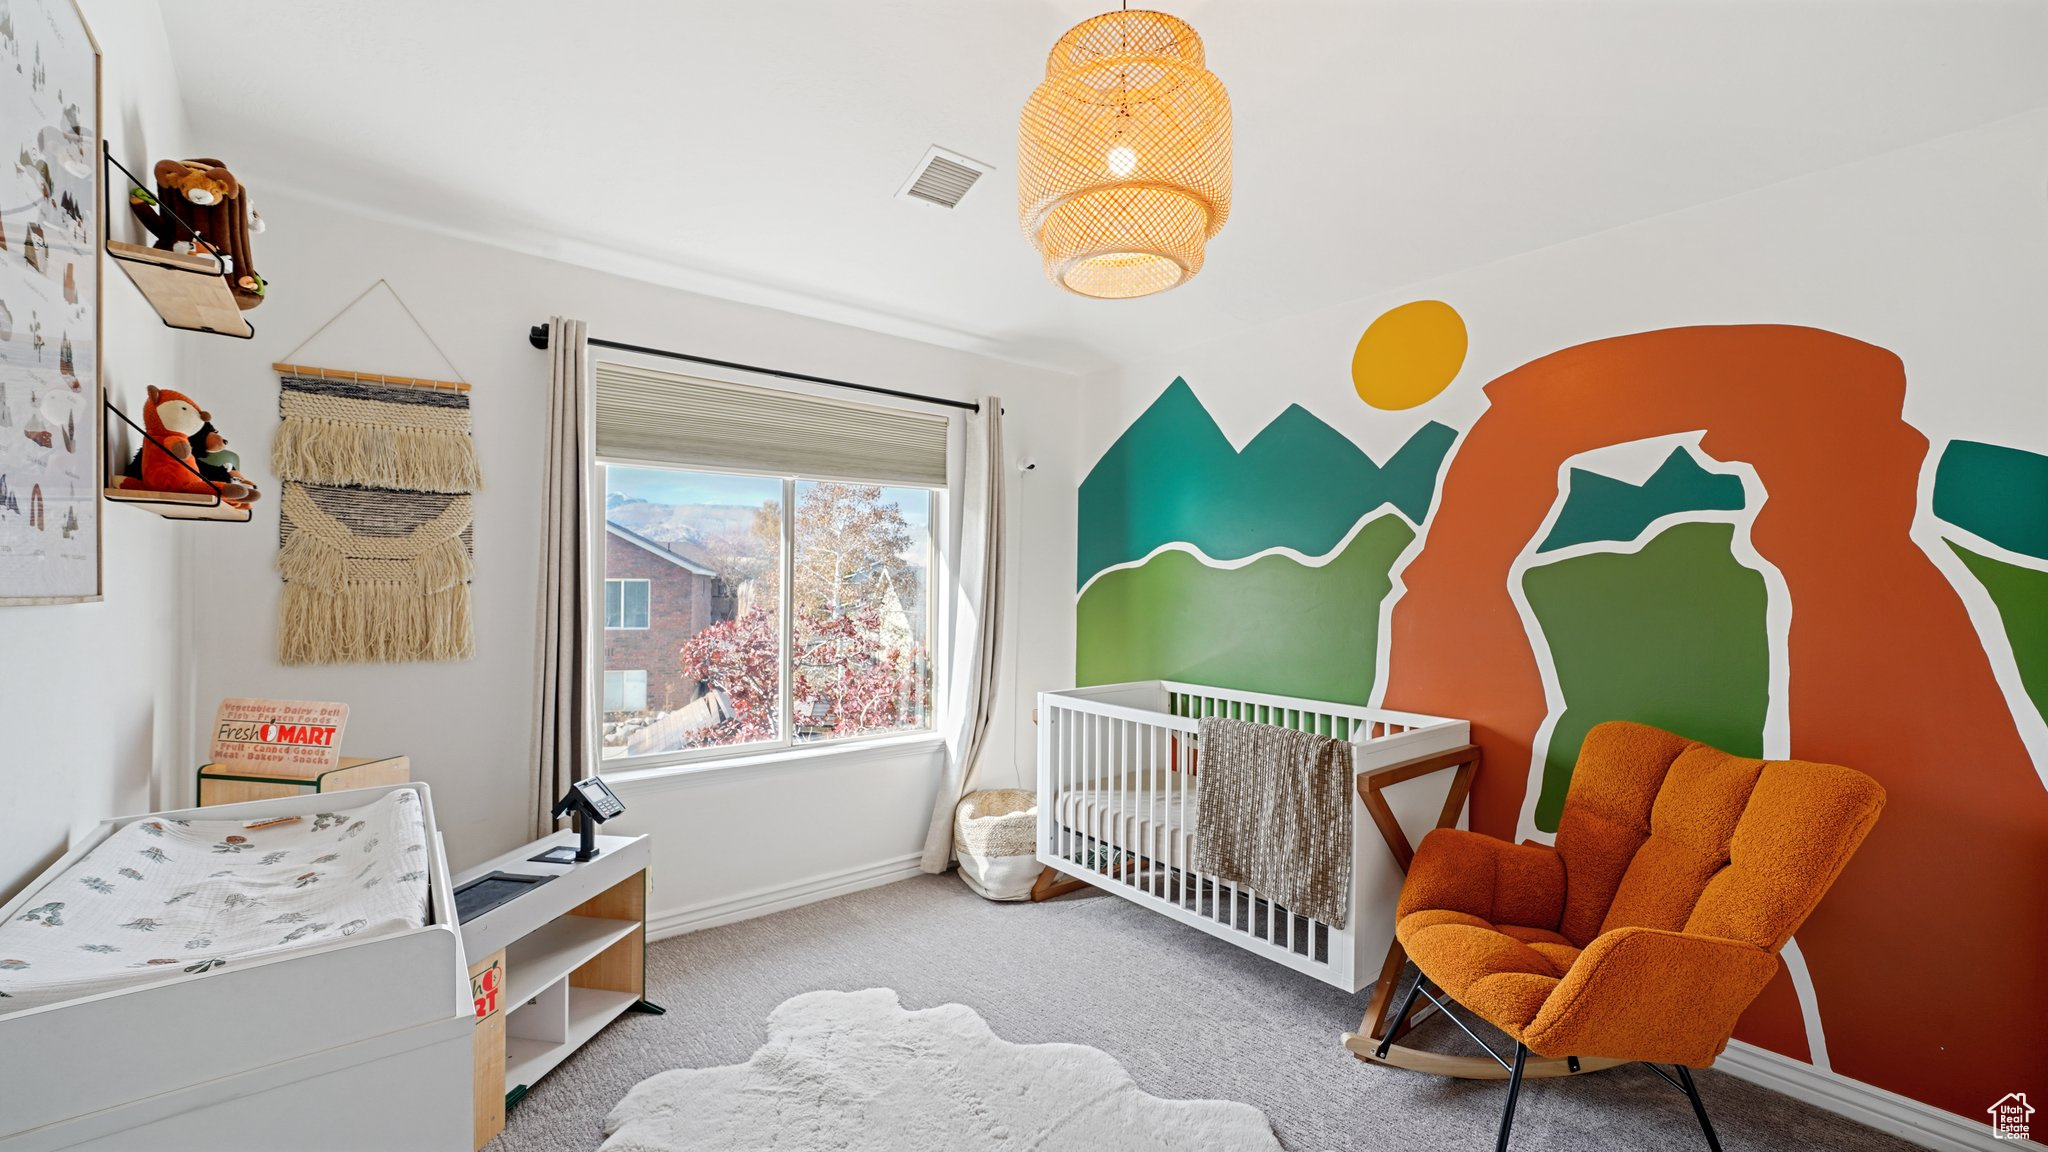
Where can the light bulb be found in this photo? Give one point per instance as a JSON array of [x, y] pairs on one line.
[[1122, 160]]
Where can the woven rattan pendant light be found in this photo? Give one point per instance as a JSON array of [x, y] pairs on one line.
[[1123, 156]]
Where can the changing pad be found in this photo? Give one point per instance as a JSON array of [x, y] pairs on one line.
[[164, 897]]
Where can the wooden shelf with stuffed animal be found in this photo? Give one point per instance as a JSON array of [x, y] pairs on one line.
[[199, 272], [183, 470], [185, 288]]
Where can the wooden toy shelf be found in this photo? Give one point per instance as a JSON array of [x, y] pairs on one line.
[[172, 505], [179, 505], [189, 290]]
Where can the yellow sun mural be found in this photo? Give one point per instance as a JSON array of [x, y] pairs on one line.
[[1409, 354]]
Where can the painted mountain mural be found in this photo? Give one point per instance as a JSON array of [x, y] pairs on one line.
[[1603, 508], [2000, 495], [1273, 625], [1173, 478], [1813, 624], [1172, 521], [1612, 620], [1611, 613]]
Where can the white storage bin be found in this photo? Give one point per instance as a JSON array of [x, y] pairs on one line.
[[995, 834]]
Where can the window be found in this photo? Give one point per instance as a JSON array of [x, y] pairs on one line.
[[625, 691], [625, 603], [788, 539], [862, 660], [800, 612]]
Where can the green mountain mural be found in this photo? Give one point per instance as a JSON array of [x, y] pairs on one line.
[[2021, 595], [1173, 477], [1274, 625], [2001, 494], [1603, 508], [1672, 635]]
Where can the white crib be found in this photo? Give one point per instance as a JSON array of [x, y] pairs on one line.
[[1117, 809]]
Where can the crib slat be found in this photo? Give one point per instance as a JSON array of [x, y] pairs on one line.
[[1183, 844], [1127, 797], [1095, 767], [1152, 786], [1073, 742], [1135, 759], [1086, 812], [1061, 722], [1068, 722], [1100, 786]]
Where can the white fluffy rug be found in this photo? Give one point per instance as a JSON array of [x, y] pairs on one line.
[[855, 1072]]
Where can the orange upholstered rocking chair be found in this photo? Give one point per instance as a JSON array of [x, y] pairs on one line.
[[1678, 873]]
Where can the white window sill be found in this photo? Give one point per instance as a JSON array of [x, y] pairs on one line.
[[749, 764]]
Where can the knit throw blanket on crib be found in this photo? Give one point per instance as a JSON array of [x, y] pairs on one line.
[[374, 526], [1274, 815]]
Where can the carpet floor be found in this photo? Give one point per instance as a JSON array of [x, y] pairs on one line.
[[1188, 1016]]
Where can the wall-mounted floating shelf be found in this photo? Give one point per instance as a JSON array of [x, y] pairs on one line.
[[172, 505], [189, 290], [179, 505]]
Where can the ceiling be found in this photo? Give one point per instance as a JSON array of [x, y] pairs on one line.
[[753, 150]]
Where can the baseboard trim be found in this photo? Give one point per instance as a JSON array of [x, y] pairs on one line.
[[778, 897], [1885, 1111]]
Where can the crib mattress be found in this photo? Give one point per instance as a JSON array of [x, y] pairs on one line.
[[1158, 826], [161, 898]]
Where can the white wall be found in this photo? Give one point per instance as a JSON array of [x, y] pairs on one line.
[[467, 725], [1933, 251], [92, 706]]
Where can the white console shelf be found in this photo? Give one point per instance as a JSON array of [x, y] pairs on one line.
[[557, 949], [586, 1012], [564, 958]]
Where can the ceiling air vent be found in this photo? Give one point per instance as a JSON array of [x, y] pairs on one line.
[[942, 178]]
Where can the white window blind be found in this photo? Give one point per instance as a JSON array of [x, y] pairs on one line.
[[664, 418]]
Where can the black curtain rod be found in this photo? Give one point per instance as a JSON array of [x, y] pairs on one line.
[[538, 337]]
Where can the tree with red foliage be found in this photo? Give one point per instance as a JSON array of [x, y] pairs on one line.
[[858, 667], [739, 658]]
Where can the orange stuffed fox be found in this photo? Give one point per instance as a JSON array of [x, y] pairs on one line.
[[172, 419]]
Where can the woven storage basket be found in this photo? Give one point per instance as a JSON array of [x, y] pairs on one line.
[[995, 834]]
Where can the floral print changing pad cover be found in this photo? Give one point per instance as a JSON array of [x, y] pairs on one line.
[[165, 897]]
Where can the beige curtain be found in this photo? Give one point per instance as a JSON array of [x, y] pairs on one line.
[[564, 743], [977, 612]]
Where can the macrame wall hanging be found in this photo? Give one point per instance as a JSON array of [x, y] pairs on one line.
[[374, 527]]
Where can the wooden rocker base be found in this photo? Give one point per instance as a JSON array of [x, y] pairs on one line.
[[1052, 882], [1469, 1067], [1382, 1019]]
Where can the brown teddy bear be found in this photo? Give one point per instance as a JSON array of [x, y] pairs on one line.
[[204, 182], [208, 197]]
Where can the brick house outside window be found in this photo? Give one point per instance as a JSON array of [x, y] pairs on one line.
[[681, 600]]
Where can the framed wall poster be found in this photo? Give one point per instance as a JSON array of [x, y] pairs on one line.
[[51, 202]]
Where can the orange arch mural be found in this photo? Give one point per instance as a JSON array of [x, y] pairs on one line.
[[1925, 956]]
